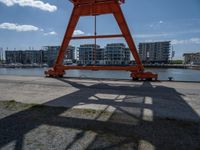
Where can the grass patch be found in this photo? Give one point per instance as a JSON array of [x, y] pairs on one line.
[[90, 111], [13, 105]]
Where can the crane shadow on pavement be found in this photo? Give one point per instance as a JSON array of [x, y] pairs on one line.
[[106, 116]]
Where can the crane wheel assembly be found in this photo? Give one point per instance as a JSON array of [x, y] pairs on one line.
[[96, 8]]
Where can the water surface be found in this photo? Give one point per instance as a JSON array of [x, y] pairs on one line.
[[177, 74]]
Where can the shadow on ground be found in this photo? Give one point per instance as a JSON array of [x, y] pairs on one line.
[[140, 117]]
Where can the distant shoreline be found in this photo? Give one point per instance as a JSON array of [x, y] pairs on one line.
[[176, 66], [22, 66]]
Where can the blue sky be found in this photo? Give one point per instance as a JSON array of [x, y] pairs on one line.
[[31, 23]]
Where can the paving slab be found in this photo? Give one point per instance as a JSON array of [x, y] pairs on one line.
[[164, 99], [98, 114]]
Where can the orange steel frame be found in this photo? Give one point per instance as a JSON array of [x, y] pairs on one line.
[[94, 8]]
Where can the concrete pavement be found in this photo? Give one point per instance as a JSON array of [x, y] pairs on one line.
[[98, 114], [180, 100]]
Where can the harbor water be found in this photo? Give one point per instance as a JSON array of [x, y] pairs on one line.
[[164, 74]]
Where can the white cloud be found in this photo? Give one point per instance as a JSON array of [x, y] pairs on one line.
[[156, 25], [189, 41], [195, 40], [18, 28], [31, 3], [51, 33], [78, 32]]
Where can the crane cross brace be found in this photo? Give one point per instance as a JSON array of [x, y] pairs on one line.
[[93, 8]]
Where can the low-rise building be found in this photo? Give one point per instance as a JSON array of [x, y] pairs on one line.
[[192, 58]]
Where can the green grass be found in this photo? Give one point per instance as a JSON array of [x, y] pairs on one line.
[[13, 105]]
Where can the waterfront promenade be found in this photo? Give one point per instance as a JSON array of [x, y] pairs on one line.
[[101, 113], [101, 94]]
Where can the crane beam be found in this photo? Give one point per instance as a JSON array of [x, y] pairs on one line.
[[94, 8]]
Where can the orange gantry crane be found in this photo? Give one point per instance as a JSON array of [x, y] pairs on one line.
[[95, 8]]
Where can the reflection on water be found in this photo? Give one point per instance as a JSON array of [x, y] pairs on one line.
[[177, 74]]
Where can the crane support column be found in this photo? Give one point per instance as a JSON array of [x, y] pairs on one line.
[[58, 69], [95, 8], [118, 14]]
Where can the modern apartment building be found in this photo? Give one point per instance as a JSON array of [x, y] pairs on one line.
[[112, 54], [50, 54], [24, 57], [89, 53], [192, 58], [47, 55], [117, 54], [155, 52], [70, 53], [1, 55]]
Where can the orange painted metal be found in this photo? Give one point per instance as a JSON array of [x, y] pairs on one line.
[[97, 37], [82, 2], [143, 76], [96, 68], [94, 8]]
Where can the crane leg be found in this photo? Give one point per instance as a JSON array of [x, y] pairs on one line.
[[93, 8], [58, 69]]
